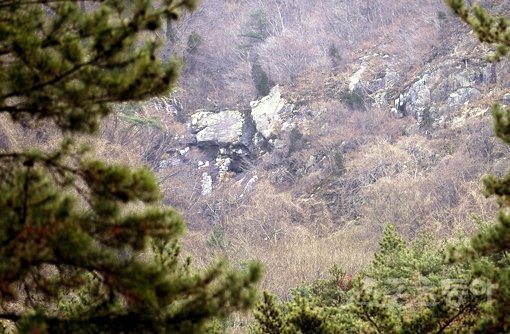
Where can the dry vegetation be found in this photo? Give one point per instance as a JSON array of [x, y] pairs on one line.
[[291, 37], [300, 219], [308, 211]]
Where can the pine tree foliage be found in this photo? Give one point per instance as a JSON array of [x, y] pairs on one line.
[[325, 291], [489, 29], [269, 316], [63, 63], [258, 28], [85, 246], [398, 259], [409, 288], [488, 251], [300, 316], [132, 114], [480, 304], [413, 289]]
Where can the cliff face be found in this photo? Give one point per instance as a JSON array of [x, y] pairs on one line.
[[445, 86], [450, 87], [375, 141]]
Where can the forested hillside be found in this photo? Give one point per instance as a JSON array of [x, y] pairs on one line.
[[339, 145], [384, 119]]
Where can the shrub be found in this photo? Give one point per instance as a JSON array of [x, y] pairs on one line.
[[441, 15], [296, 141], [261, 80], [131, 113], [338, 164], [354, 100], [426, 120], [194, 43], [325, 292], [218, 238], [257, 28], [297, 316], [334, 54]]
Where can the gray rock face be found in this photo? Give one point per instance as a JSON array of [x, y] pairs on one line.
[[266, 113], [418, 97], [223, 129], [464, 95], [440, 91], [233, 129], [224, 137]]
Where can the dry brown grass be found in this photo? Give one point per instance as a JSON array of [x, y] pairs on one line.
[[300, 257]]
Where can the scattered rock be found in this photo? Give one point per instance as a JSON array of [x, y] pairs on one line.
[[206, 184], [356, 77], [223, 164], [506, 99], [251, 183], [464, 95], [184, 151], [169, 163]]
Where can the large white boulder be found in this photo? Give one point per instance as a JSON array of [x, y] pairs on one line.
[[222, 128], [266, 113]]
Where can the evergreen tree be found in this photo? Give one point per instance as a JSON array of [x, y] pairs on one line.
[[257, 29], [488, 251], [84, 245], [299, 316], [408, 288], [261, 80], [414, 289]]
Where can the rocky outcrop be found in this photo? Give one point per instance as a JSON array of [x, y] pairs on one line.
[[448, 82], [224, 128], [267, 113], [441, 90], [206, 184], [235, 130], [223, 143], [355, 79], [225, 137]]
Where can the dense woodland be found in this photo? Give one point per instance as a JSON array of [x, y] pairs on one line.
[[379, 206]]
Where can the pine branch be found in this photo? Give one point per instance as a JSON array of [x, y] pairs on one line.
[[52, 81], [7, 3], [18, 109], [449, 321], [25, 196], [372, 322]]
